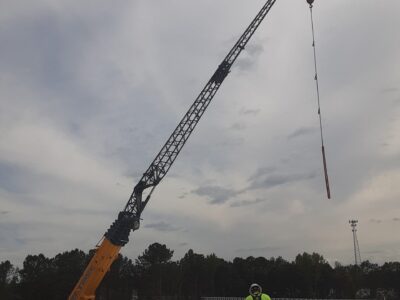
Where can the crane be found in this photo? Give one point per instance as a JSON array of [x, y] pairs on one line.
[[129, 218]]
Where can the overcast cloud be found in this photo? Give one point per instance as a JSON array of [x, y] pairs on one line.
[[91, 90]]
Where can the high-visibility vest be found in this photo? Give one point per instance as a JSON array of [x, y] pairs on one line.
[[263, 297]]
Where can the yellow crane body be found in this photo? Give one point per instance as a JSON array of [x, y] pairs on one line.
[[99, 265]]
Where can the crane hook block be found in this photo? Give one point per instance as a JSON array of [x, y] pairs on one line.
[[310, 2]]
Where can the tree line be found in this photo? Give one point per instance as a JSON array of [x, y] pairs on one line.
[[154, 275]]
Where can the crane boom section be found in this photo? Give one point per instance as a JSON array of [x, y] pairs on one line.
[[98, 267], [168, 153], [129, 219]]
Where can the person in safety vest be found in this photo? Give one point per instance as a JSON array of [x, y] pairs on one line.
[[256, 293]]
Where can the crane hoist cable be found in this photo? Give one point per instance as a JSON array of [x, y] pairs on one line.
[[328, 192]]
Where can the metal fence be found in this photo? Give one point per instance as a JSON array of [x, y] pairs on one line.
[[222, 298], [181, 297], [242, 298]]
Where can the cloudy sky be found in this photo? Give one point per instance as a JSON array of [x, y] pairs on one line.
[[90, 91]]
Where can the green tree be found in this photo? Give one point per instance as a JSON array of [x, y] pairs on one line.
[[37, 278], [315, 275], [119, 282], [193, 274], [153, 270], [343, 282], [8, 280], [68, 267]]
